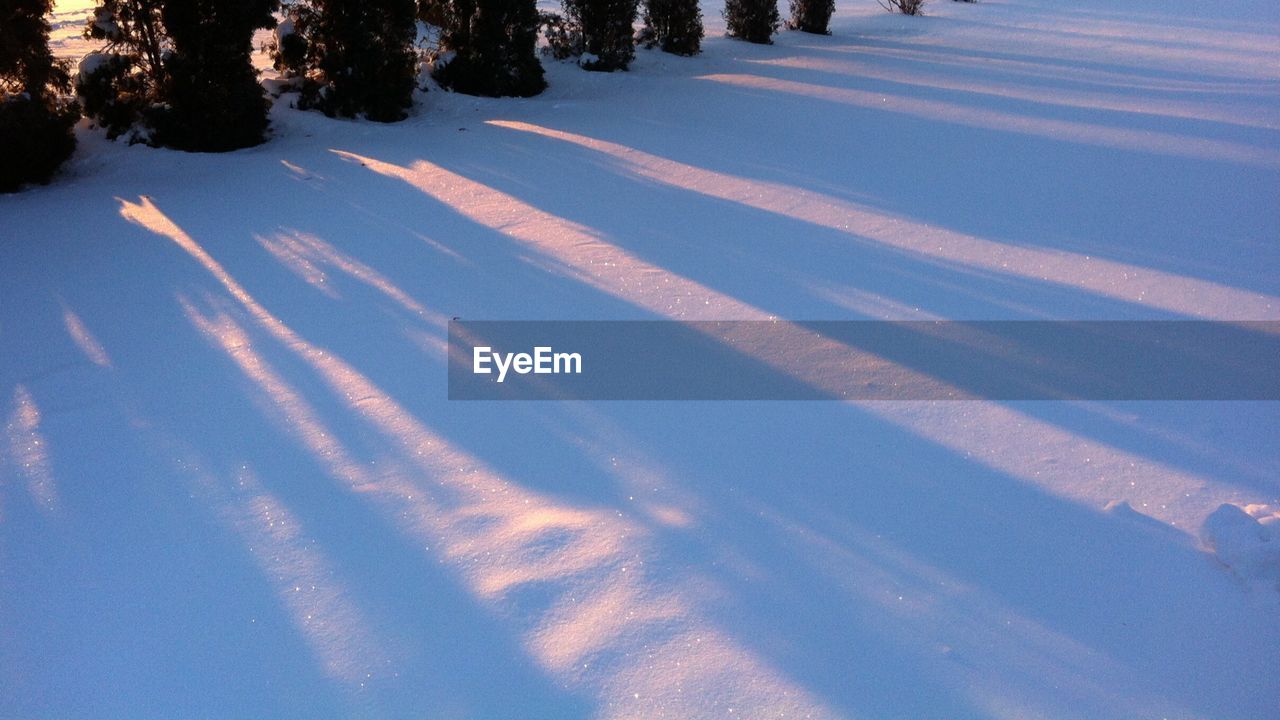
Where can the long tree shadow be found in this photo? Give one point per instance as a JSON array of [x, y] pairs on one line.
[[105, 592], [835, 554], [719, 262], [1188, 554], [570, 579], [519, 472], [1142, 218], [1051, 650], [1162, 225], [1066, 58], [181, 573], [824, 226], [938, 556]]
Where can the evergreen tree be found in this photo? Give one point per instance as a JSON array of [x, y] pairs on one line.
[[355, 57], [177, 73], [35, 116], [673, 25], [214, 101], [121, 83], [607, 31], [494, 47], [752, 20], [812, 16]]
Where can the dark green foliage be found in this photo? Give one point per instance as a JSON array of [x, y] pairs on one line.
[[564, 38], [289, 53], [214, 100], [812, 16], [673, 25], [178, 73], [36, 118], [120, 85], [607, 31], [25, 61], [35, 139], [494, 46], [432, 12], [752, 20], [115, 93], [353, 57]]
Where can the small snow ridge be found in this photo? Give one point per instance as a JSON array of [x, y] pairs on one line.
[[1122, 509], [1245, 540]]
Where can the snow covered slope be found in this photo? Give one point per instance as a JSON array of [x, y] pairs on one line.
[[231, 487]]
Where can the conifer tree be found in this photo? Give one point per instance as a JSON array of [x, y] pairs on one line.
[[215, 102], [752, 20], [494, 48], [119, 84], [36, 118], [177, 73], [812, 16], [607, 31], [673, 25], [354, 57]]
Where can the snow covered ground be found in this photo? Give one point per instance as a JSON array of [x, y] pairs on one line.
[[230, 484]]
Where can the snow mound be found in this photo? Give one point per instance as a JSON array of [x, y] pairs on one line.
[[90, 63], [105, 22], [287, 27], [1245, 540]]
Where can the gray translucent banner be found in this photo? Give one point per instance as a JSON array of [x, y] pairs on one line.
[[864, 360]]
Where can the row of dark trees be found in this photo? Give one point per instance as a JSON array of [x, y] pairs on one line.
[[178, 73]]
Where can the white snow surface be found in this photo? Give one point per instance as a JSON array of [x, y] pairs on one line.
[[231, 484]]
